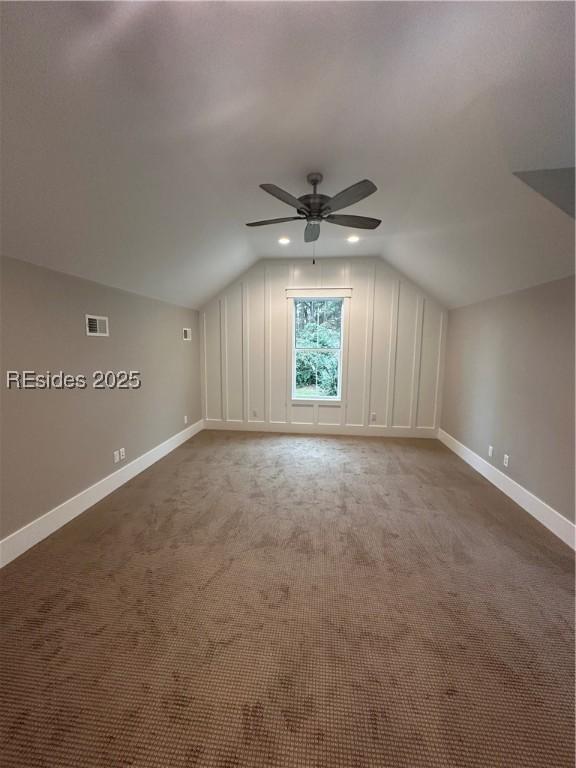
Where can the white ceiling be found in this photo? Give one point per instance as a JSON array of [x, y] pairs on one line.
[[136, 135]]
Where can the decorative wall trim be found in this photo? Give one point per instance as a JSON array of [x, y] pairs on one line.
[[320, 429], [21, 540], [255, 307], [392, 350], [440, 368], [543, 512], [318, 293], [417, 360]]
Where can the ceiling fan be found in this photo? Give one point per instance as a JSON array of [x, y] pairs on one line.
[[316, 208]]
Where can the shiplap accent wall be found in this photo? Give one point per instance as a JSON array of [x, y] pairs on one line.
[[392, 356]]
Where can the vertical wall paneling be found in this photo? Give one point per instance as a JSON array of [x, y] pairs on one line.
[[333, 273], [294, 411], [202, 348], [266, 358], [393, 348], [405, 342], [393, 341], [256, 344], [429, 364], [384, 291], [416, 360], [223, 357], [246, 354], [360, 273], [345, 357], [278, 276], [441, 351], [232, 344], [304, 274], [369, 346], [212, 361]]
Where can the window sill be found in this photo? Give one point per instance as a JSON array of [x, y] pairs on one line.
[[313, 400]]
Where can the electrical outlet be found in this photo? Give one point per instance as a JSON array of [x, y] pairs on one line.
[[373, 417], [506, 460], [254, 414], [490, 451], [185, 419], [122, 453], [116, 457]]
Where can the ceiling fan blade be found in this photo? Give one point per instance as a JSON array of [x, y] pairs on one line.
[[351, 195], [312, 231], [360, 222], [286, 197], [272, 221]]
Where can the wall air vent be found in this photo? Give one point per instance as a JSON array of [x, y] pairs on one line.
[[187, 334], [96, 325]]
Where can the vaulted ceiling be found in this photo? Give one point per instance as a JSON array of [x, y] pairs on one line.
[[135, 136]]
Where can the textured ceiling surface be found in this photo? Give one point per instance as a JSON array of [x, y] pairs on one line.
[[135, 136]]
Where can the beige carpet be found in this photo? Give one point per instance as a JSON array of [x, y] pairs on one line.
[[273, 600]]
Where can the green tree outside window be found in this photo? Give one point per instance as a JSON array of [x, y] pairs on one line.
[[317, 353]]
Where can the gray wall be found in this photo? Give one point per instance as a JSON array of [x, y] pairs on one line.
[[56, 443], [509, 382]]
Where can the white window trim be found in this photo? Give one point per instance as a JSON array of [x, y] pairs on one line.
[[330, 293], [318, 293]]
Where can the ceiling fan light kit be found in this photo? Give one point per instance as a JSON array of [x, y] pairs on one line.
[[315, 208]]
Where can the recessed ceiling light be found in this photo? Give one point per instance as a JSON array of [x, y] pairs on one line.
[[284, 241], [353, 239]]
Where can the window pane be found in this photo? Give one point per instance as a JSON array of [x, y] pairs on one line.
[[318, 323], [316, 373]]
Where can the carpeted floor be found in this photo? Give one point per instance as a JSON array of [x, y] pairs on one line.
[[275, 600]]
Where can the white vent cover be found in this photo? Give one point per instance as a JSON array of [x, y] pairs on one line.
[[187, 334], [96, 325]]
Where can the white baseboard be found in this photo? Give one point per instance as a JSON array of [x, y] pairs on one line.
[[319, 429], [543, 512], [18, 542]]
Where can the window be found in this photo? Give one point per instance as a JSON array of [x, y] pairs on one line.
[[317, 349]]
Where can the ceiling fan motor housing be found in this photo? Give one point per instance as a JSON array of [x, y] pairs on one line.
[[314, 206]]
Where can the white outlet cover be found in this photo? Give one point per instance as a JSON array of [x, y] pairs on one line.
[[116, 457], [185, 419], [490, 451], [122, 453], [506, 459]]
